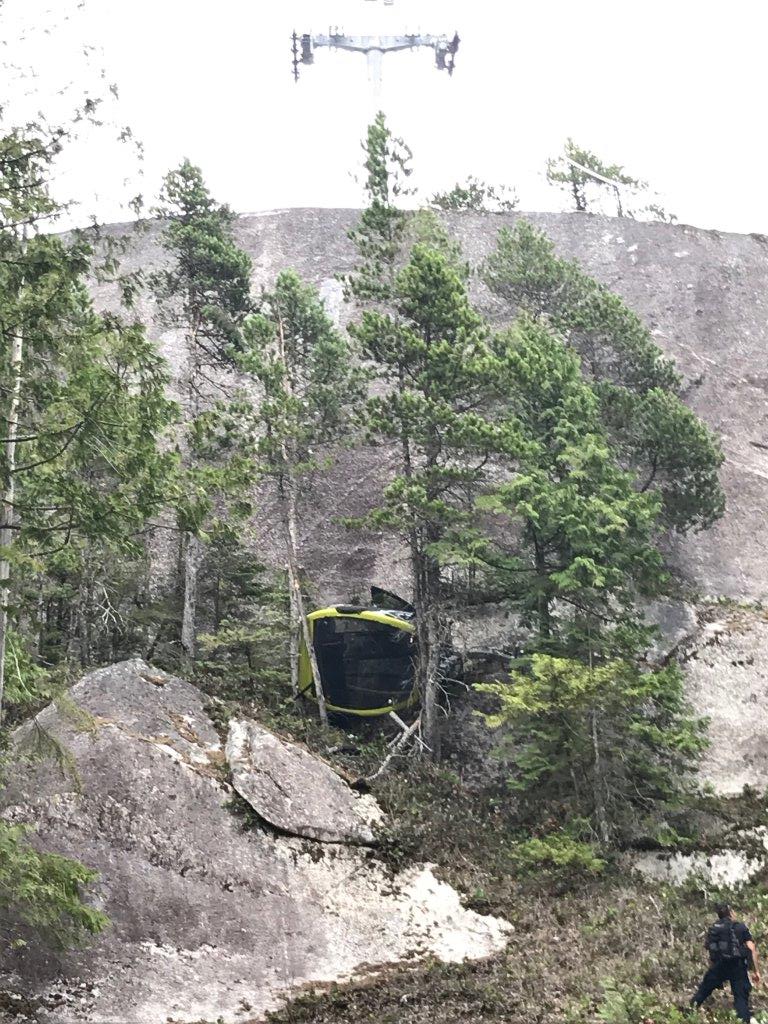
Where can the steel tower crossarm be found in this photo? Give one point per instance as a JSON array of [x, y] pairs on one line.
[[374, 48], [386, 44]]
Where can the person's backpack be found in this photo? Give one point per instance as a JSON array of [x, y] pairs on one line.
[[723, 943]]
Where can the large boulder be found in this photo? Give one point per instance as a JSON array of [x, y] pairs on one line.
[[295, 791], [208, 919]]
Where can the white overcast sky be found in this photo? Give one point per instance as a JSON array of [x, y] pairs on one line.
[[674, 91]]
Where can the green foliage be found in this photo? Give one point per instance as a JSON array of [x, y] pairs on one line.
[[611, 339], [578, 182], [477, 197], [23, 152], [307, 378], [92, 465], [671, 452], [244, 658], [610, 742], [571, 534], [426, 229], [380, 235], [81, 469], [629, 1004], [308, 386], [206, 291], [43, 892], [83, 406], [26, 683], [436, 343], [582, 185], [428, 349], [204, 294], [431, 354], [557, 853]]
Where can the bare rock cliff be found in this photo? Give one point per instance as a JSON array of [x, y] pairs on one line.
[[703, 294]]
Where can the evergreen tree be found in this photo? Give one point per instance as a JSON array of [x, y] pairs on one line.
[[670, 450], [82, 398], [426, 345], [582, 174], [572, 546], [381, 235], [574, 542], [245, 657], [577, 181], [308, 390], [205, 295], [476, 196], [610, 742], [42, 892], [432, 357]]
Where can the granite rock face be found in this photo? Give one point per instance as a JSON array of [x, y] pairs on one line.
[[703, 295], [726, 667], [208, 920]]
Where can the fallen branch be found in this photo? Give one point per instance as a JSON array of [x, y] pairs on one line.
[[402, 739]]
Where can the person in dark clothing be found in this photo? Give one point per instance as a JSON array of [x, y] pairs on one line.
[[732, 954]]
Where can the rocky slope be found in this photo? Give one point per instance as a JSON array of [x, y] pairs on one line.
[[209, 920]]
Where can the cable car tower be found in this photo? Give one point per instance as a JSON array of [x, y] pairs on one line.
[[374, 47]]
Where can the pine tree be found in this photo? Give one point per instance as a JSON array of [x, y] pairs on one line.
[[205, 295], [245, 657], [582, 174], [578, 181], [82, 397], [42, 891], [431, 355], [574, 543], [308, 388], [573, 547], [671, 451], [381, 236], [608, 742], [409, 282]]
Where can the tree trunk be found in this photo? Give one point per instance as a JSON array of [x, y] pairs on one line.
[[543, 610], [7, 509], [432, 675], [294, 582], [193, 551], [288, 495], [295, 628], [40, 618], [192, 547], [598, 787], [426, 586]]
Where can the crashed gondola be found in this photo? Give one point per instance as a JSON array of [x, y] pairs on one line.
[[365, 655]]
